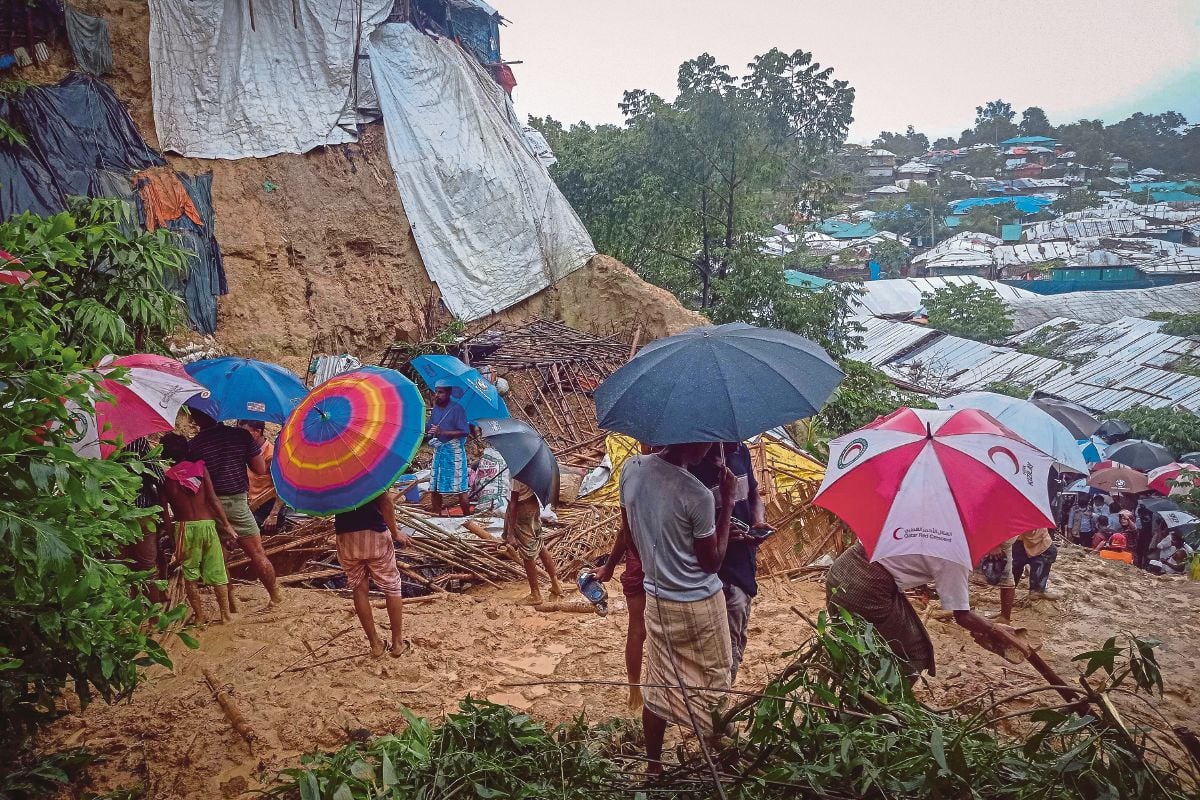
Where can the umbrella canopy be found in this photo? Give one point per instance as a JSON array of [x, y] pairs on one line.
[[472, 391], [14, 277], [526, 453], [1114, 430], [242, 388], [723, 383], [1027, 421], [1074, 417], [146, 401], [1169, 512], [348, 441], [1092, 449], [1173, 478], [1190, 458], [948, 484], [1140, 454], [1119, 480]]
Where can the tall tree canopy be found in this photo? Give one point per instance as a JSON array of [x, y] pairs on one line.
[[1034, 122], [684, 191], [904, 145]]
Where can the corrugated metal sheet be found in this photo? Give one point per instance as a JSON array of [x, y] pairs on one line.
[[885, 339], [949, 365], [1084, 228], [1029, 312], [901, 296], [967, 240], [1131, 339], [1109, 384], [1033, 253], [1182, 264]]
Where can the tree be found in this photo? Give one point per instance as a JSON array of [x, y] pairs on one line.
[[980, 163], [707, 172], [1176, 429], [863, 395], [990, 219], [1086, 138], [969, 311], [1147, 140], [945, 143], [1034, 122], [993, 123], [891, 256], [1078, 200], [905, 145]]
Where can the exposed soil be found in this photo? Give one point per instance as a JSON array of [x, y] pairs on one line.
[[173, 738]]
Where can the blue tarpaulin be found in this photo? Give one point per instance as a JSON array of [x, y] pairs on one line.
[[840, 229], [1029, 140], [1026, 205], [1165, 186], [802, 280]]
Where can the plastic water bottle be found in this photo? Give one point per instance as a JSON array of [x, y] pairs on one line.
[[593, 590]]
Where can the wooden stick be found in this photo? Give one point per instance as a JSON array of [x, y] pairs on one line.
[[329, 661], [232, 712], [313, 652]]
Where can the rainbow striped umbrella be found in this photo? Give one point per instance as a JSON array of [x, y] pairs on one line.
[[348, 440]]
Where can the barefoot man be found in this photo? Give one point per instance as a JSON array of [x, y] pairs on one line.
[[192, 506], [523, 533], [682, 541], [228, 452], [364, 548], [448, 430]]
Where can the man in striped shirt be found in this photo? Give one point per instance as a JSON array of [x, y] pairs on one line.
[[228, 453]]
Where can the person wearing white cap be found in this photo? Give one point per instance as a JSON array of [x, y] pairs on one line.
[[448, 430]]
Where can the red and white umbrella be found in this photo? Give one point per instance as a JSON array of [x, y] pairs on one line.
[[149, 399], [947, 484], [1174, 478], [13, 277]]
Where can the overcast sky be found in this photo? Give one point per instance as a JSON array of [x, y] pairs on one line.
[[924, 62]]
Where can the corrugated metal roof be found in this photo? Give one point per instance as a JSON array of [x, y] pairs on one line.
[[1084, 228], [1009, 255], [967, 240], [950, 365], [902, 296], [1181, 264], [885, 339], [1110, 384], [1129, 339], [1104, 306]]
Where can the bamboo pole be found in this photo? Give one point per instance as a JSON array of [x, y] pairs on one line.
[[232, 712]]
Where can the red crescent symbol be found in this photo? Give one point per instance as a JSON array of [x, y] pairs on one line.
[[895, 532], [992, 457]]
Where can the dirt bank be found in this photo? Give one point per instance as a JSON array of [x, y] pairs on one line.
[[173, 738]]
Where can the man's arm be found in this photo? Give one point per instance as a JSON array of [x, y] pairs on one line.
[[758, 511], [257, 464], [710, 551], [459, 429], [217, 510], [620, 545], [386, 503]]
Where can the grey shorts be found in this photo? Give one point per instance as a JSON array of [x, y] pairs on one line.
[[237, 508]]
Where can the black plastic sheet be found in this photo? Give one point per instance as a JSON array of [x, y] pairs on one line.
[[205, 278]]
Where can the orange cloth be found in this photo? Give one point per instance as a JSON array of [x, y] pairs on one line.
[[1117, 555], [164, 198], [262, 488]]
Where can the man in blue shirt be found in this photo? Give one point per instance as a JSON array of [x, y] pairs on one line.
[[739, 570], [448, 430]]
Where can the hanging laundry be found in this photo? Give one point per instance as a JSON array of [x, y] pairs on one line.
[[89, 40], [504, 76], [163, 198]]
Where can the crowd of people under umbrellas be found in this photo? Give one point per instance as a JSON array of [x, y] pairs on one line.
[[691, 514]]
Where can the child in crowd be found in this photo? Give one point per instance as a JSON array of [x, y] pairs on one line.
[[192, 506], [1102, 532]]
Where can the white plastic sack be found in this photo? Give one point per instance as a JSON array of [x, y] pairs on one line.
[[491, 225], [232, 79]]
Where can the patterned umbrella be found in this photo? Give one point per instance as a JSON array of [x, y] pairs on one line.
[[947, 484], [15, 277], [1174, 478], [243, 388], [1119, 480], [154, 389], [348, 441], [477, 395]]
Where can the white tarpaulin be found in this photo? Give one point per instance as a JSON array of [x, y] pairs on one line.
[[491, 225], [234, 79]]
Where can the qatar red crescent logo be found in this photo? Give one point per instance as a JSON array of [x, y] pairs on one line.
[[853, 452], [994, 451]]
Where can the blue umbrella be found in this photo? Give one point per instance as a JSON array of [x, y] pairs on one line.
[[1092, 449], [472, 391], [242, 388], [723, 383], [525, 452]]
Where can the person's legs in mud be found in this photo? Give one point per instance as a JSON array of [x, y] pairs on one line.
[[395, 612], [534, 597], [366, 616], [655, 729], [252, 547], [192, 590], [435, 503], [1039, 575], [552, 571], [223, 593], [635, 646]]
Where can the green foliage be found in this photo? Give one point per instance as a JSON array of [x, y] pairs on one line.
[[67, 616], [1179, 324], [1008, 388], [102, 275], [917, 215], [10, 135], [44, 775], [1035, 123], [969, 311], [1076, 201], [990, 219], [841, 721], [484, 750], [864, 394], [682, 191], [905, 145], [891, 256], [1176, 429]]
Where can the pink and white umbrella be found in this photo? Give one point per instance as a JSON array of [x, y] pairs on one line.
[[1174, 478], [15, 277], [948, 484], [149, 399]]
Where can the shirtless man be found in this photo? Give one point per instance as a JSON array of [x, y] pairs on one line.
[[192, 502]]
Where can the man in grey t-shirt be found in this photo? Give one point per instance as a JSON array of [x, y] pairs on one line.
[[670, 515]]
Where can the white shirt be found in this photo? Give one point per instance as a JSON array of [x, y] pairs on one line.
[[952, 580]]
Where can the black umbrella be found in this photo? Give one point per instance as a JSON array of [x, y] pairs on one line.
[[1074, 418], [1139, 454], [1190, 458], [526, 453], [1168, 511], [724, 383], [1114, 430]]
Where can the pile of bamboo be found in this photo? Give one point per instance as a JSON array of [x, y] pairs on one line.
[[587, 532]]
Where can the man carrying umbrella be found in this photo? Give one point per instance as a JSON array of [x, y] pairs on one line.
[[448, 430]]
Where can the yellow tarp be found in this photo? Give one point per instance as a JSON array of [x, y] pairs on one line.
[[787, 467]]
